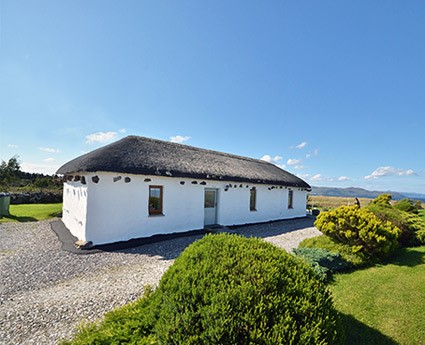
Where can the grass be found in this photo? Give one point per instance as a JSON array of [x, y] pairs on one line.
[[324, 203], [32, 212], [384, 304]]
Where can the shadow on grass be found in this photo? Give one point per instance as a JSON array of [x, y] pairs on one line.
[[357, 333], [407, 257], [21, 219], [55, 214]]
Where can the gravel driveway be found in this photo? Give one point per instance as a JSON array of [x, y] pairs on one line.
[[46, 292]]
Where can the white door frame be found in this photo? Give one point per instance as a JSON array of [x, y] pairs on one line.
[[210, 211]]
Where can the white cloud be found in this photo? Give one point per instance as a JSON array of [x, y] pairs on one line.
[[50, 160], [317, 177], [389, 171], [100, 137], [47, 169], [299, 146], [274, 160], [179, 139], [292, 161], [299, 167], [344, 178], [314, 153], [48, 149], [304, 176], [271, 159], [12, 146], [122, 130]]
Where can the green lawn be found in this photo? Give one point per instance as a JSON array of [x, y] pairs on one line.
[[384, 304], [32, 212]]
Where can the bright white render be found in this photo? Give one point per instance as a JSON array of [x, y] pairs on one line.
[[116, 206]]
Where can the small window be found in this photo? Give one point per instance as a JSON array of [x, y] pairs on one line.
[[155, 199], [252, 199], [290, 199], [209, 201]]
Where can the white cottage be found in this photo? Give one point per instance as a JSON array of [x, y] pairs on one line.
[[139, 187]]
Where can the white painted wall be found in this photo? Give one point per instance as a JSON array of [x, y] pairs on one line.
[[74, 208], [271, 205], [117, 211]]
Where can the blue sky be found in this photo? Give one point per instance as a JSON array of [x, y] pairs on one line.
[[332, 91]]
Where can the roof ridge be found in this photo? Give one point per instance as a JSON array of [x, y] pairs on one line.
[[194, 148]]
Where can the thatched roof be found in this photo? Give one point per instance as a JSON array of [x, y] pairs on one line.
[[140, 155]]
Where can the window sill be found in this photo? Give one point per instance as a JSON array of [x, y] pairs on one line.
[[156, 215]]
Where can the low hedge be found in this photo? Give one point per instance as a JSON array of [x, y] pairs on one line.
[[412, 227], [227, 289], [408, 205], [354, 259], [323, 261]]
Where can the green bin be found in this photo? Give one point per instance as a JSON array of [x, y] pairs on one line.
[[4, 204]]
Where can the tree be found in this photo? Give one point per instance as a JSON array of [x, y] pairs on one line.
[[10, 171]]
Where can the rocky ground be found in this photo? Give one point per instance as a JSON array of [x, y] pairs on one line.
[[45, 292]]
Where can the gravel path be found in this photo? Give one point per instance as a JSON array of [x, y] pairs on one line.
[[46, 292]]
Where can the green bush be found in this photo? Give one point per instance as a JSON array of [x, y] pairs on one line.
[[354, 259], [418, 225], [410, 224], [420, 235], [323, 261], [227, 289], [360, 229], [408, 205], [234, 290], [384, 199]]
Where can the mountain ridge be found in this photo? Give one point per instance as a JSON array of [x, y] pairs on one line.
[[363, 193]]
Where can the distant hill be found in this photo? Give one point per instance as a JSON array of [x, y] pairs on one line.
[[362, 193], [415, 196]]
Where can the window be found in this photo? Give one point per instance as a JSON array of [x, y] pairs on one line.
[[290, 199], [155, 199], [252, 199], [209, 201]]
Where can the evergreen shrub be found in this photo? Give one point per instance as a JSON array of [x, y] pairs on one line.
[[403, 215], [418, 225], [227, 289], [384, 199], [354, 259], [388, 213], [323, 261], [408, 205], [360, 229]]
